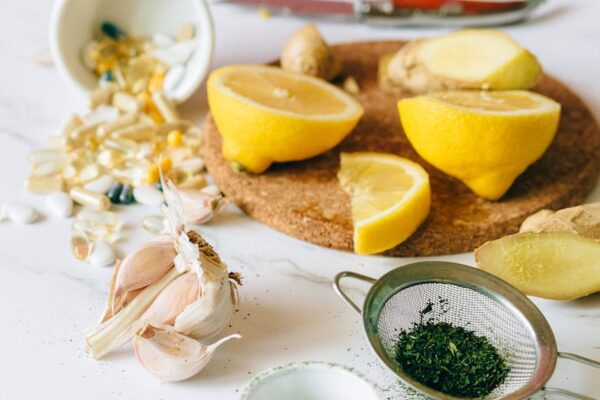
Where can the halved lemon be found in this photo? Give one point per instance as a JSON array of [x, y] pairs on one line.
[[390, 198], [485, 139], [266, 114]]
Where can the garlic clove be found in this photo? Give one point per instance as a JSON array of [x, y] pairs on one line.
[[200, 206], [172, 356], [173, 300], [210, 314], [121, 327], [144, 266]]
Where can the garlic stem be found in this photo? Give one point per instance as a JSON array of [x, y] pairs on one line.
[[104, 338]]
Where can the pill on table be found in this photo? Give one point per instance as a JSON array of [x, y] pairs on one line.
[[102, 254], [148, 195], [19, 213], [114, 193], [60, 204], [102, 184]]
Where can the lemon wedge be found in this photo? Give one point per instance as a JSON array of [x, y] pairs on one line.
[[485, 139], [390, 198], [266, 114]]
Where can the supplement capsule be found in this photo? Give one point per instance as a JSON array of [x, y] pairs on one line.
[[90, 199], [44, 184], [81, 247], [107, 218], [92, 230]]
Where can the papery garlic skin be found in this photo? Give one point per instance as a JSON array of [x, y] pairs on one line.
[[200, 206], [173, 300], [144, 266], [170, 355]]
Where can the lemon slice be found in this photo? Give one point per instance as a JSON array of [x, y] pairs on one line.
[[266, 114], [390, 198], [485, 139]]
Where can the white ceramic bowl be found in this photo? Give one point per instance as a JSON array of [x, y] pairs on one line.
[[310, 381], [74, 22]]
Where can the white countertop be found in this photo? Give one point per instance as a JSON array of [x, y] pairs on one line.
[[288, 310]]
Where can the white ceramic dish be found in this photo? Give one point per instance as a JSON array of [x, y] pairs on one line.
[[73, 23], [310, 381]]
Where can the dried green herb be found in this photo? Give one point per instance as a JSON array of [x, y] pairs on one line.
[[450, 359]]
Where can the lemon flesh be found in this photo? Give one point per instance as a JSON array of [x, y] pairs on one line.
[[485, 58], [485, 139], [390, 198], [266, 114]]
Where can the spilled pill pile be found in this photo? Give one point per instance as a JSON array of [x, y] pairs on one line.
[[110, 155]]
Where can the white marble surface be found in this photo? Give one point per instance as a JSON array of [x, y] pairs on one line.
[[288, 310]]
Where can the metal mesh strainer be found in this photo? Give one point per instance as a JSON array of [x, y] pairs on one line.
[[476, 301]]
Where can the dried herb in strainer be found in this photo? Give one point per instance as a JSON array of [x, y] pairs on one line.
[[450, 359]]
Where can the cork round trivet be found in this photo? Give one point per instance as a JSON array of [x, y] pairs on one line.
[[303, 199]]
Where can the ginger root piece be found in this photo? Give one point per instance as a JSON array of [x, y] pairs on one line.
[[306, 52], [466, 59], [556, 255]]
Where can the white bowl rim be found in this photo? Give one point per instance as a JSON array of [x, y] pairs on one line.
[[306, 365], [208, 46]]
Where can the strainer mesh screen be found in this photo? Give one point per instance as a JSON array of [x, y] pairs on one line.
[[471, 310]]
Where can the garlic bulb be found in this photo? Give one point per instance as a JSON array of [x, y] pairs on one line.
[[171, 356], [177, 283]]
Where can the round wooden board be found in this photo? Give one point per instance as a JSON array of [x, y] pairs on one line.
[[303, 199]]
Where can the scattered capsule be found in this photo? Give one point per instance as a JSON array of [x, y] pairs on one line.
[[148, 195], [173, 78], [102, 184], [80, 246], [108, 76], [44, 184], [89, 198], [92, 230], [60, 204], [102, 254], [18, 213], [114, 193], [154, 224], [110, 219], [45, 155], [50, 167], [126, 196], [111, 30], [175, 138], [88, 173]]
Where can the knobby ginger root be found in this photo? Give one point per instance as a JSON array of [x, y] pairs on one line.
[[467, 59], [555, 255], [306, 52]]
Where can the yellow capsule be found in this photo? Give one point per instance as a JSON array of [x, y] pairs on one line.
[[81, 246], [153, 174], [156, 80], [175, 138], [44, 184], [109, 158], [105, 65], [88, 198]]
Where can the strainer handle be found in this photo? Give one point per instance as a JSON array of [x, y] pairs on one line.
[[583, 360], [340, 292]]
